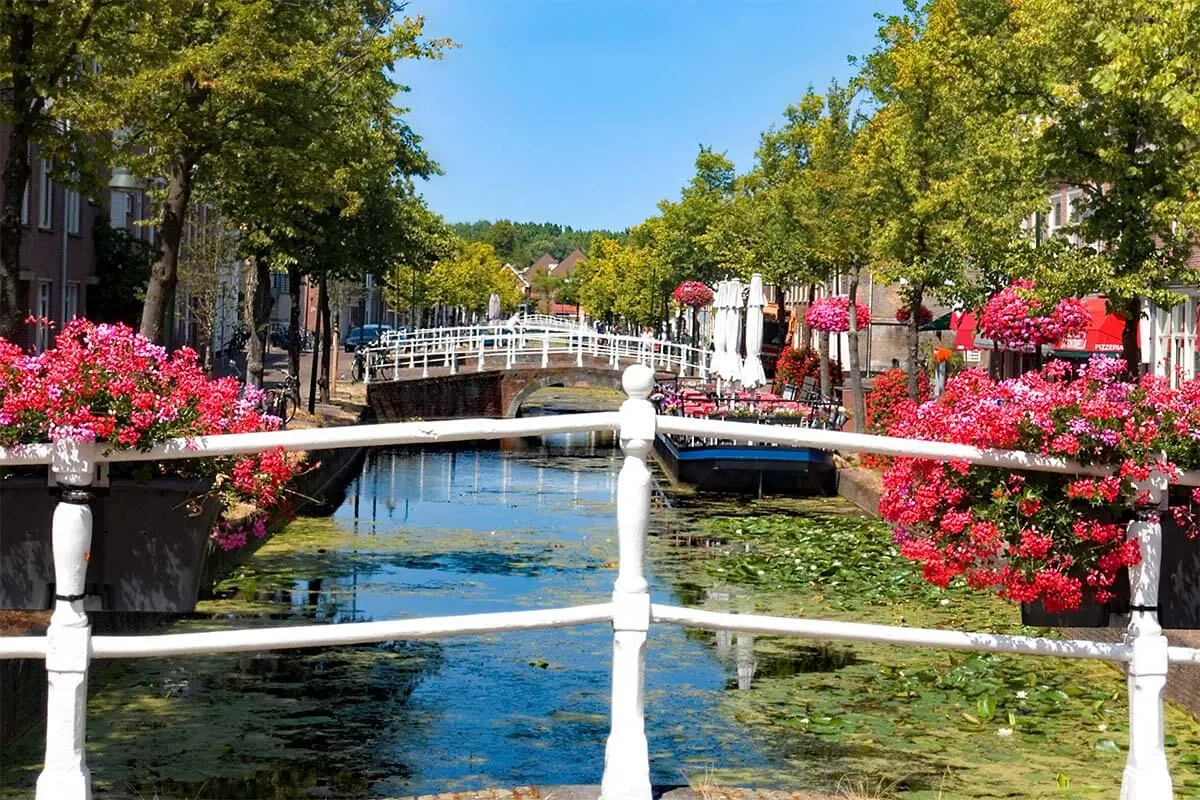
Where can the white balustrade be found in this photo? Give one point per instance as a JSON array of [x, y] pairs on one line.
[[68, 645]]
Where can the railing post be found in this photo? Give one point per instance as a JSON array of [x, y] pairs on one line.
[[425, 362], [1146, 774], [545, 349], [479, 361], [65, 775], [627, 755]]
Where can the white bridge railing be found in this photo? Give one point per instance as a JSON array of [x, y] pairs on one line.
[[535, 343], [68, 645]]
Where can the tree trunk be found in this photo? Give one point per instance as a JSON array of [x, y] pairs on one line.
[[1130, 346], [326, 338], [856, 384], [258, 315], [16, 178], [294, 293], [316, 356], [805, 331], [914, 343], [823, 353], [164, 273]]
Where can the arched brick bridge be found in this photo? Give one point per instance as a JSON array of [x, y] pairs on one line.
[[490, 393]]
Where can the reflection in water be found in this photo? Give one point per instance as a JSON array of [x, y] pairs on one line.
[[425, 533]]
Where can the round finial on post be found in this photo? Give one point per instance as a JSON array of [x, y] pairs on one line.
[[638, 381]]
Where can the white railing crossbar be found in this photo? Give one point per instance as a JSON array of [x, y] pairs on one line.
[[68, 645]]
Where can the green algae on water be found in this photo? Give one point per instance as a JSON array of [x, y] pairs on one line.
[[924, 723]]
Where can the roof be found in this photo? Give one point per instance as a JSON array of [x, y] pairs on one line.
[[545, 263], [518, 275], [567, 266]]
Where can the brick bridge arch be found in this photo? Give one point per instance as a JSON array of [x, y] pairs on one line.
[[517, 387], [492, 393]]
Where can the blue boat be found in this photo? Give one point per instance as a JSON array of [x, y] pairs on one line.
[[759, 469], [715, 465]]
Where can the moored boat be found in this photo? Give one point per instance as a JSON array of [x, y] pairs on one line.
[[710, 464]]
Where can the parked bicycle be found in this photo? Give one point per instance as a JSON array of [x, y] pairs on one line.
[[359, 370], [282, 401]]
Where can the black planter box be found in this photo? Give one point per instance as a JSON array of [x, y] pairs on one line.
[[147, 552], [1178, 590]]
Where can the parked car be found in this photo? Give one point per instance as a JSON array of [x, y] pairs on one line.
[[364, 336]]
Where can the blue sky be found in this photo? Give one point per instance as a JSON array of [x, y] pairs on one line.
[[588, 112]]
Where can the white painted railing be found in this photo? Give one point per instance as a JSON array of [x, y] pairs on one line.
[[68, 645], [535, 343]]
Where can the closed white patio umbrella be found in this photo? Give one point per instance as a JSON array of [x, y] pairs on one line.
[[731, 361], [753, 375], [719, 309]]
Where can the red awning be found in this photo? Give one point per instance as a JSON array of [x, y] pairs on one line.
[[963, 325], [1102, 336]]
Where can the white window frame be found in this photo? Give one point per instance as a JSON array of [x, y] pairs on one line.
[[42, 310], [45, 195], [1058, 213], [72, 300], [72, 200], [1174, 331]]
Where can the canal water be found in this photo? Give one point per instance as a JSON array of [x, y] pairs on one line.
[[422, 533]]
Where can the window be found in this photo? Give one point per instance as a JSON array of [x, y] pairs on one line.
[[72, 201], [72, 301], [279, 284], [1175, 341], [25, 205], [41, 310], [45, 195], [1058, 213]]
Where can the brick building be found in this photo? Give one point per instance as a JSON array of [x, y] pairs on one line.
[[58, 257]]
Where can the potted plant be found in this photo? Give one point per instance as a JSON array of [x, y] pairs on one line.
[[1054, 543], [153, 522]]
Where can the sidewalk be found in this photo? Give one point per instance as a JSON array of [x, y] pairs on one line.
[[347, 400]]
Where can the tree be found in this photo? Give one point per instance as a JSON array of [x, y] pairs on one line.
[[231, 94], [208, 274], [617, 279], [50, 55], [422, 239], [122, 266], [947, 172], [679, 235], [1112, 82], [469, 276], [503, 238], [839, 229]]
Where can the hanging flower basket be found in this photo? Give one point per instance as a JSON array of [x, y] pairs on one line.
[[1016, 318], [904, 314], [832, 315], [694, 294], [109, 385], [1040, 539]]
